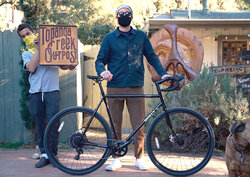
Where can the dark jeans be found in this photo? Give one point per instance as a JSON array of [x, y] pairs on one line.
[[43, 106]]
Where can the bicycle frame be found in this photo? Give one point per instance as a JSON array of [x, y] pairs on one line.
[[128, 140]]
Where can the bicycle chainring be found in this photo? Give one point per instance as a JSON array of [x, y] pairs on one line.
[[118, 151]]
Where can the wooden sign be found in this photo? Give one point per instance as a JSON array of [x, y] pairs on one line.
[[243, 82], [232, 69], [58, 45]]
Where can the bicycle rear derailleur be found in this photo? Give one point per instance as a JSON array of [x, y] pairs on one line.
[[77, 141]]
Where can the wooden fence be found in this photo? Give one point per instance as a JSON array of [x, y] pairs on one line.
[[11, 125]]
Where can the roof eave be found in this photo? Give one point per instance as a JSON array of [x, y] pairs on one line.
[[158, 23]]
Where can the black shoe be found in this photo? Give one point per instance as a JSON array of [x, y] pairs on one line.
[[42, 163]]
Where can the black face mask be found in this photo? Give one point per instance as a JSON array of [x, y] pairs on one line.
[[124, 20]]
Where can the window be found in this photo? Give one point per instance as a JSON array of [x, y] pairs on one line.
[[232, 50]]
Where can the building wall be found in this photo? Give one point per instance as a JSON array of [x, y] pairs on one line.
[[212, 47]]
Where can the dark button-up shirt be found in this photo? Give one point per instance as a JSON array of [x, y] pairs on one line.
[[124, 57]]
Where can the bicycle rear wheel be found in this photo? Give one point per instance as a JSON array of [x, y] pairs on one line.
[[76, 142], [184, 157]]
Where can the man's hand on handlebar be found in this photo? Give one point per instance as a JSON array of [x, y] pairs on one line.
[[165, 75], [107, 75]]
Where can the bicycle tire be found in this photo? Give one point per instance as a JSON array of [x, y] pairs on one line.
[[176, 159], [64, 138]]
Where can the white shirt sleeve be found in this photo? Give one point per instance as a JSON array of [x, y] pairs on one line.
[[27, 57]]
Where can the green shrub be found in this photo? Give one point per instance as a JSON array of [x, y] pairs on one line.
[[11, 145], [216, 98]]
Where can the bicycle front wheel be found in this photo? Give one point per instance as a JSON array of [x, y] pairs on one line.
[[185, 154], [77, 142]]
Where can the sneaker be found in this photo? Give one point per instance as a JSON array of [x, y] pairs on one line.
[[42, 163], [116, 163], [141, 164], [36, 155]]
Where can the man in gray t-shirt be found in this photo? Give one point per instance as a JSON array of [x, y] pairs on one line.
[[44, 93]]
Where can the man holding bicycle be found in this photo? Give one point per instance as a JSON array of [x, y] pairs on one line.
[[122, 51]]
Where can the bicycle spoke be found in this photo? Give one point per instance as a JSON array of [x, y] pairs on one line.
[[180, 159], [78, 153]]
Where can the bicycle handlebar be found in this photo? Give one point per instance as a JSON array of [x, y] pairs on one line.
[[176, 79]]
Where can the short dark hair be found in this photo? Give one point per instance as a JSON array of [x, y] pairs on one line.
[[24, 25]]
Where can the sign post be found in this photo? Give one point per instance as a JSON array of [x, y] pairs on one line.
[[231, 69], [58, 45]]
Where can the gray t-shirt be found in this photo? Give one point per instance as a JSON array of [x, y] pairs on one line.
[[44, 79]]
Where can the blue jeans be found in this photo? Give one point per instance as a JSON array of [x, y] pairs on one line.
[[42, 107]]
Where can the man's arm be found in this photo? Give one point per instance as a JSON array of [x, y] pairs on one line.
[[102, 60]]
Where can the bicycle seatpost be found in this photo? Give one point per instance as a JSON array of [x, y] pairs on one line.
[[101, 88], [98, 80]]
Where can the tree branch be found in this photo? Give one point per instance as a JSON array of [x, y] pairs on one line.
[[6, 3]]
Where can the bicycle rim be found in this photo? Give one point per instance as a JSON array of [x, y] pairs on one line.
[[73, 150], [186, 157]]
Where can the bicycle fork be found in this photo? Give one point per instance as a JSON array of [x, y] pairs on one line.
[[179, 140], [167, 118]]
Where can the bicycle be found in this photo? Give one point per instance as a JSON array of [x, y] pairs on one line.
[[179, 141]]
